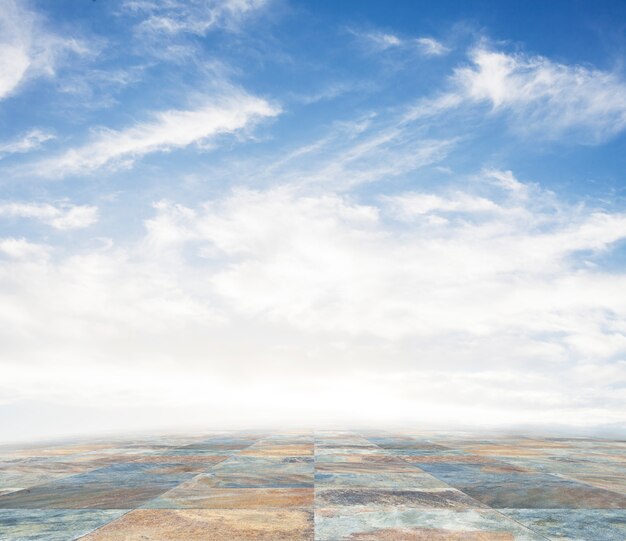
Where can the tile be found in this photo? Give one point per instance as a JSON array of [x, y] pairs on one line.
[[448, 458], [278, 485], [407, 444], [79, 497], [208, 524], [51, 525], [513, 489], [25, 474], [293, 464], [121, 486], [395, 480], [349, 450], [409, 452], [336, 524], [210, 455], [614, 483], [368, 497], [321, 455], [201, 461], [395, 466], [260, 479], [574, 525], [260, 472], [278, 450], [227, 498]]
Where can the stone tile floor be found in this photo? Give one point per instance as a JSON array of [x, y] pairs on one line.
[[325, 486]]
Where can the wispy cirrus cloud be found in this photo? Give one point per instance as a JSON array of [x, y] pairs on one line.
[[163, 132], [431, 47], [61, 216], [368, 158], [91, 89], [546, 96], [370, 148], [27, 49], [192, 16], [25, 142], [380, 41], [539, 97]]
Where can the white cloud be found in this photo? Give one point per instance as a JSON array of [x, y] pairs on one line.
[[506, 180], [167, 130], [432, 47], [192, 16], [369, 149], [487, 314], [25, 142], [545, 96], [94, 88], [22, 249], [320, 262], [27, 49], [414, 205], [382, 41], [538, 97], [372, 158], [63, 216]]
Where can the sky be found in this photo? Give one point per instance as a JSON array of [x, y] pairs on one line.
[[267, 213]]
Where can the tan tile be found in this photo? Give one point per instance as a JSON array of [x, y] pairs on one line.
[[429, 534], [504, 450], [278, 450], [209, 460], [207, 524]]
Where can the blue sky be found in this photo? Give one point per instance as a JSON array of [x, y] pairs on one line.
[[248, 212]]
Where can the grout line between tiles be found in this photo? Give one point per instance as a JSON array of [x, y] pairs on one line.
[[82, 536]]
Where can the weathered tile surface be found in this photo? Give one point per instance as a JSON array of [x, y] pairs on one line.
[[51, 525], [204, 524], [327, 486], [574, 524]]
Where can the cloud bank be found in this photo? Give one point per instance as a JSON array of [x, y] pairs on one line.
[[375, 309]]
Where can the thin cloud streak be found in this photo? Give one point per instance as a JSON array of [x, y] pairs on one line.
[[167, 130], [26, 142], [353, 153], [172, 17], [379, 41], [432, 47]]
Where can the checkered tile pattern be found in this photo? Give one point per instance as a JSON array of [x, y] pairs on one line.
[[324, 486]]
